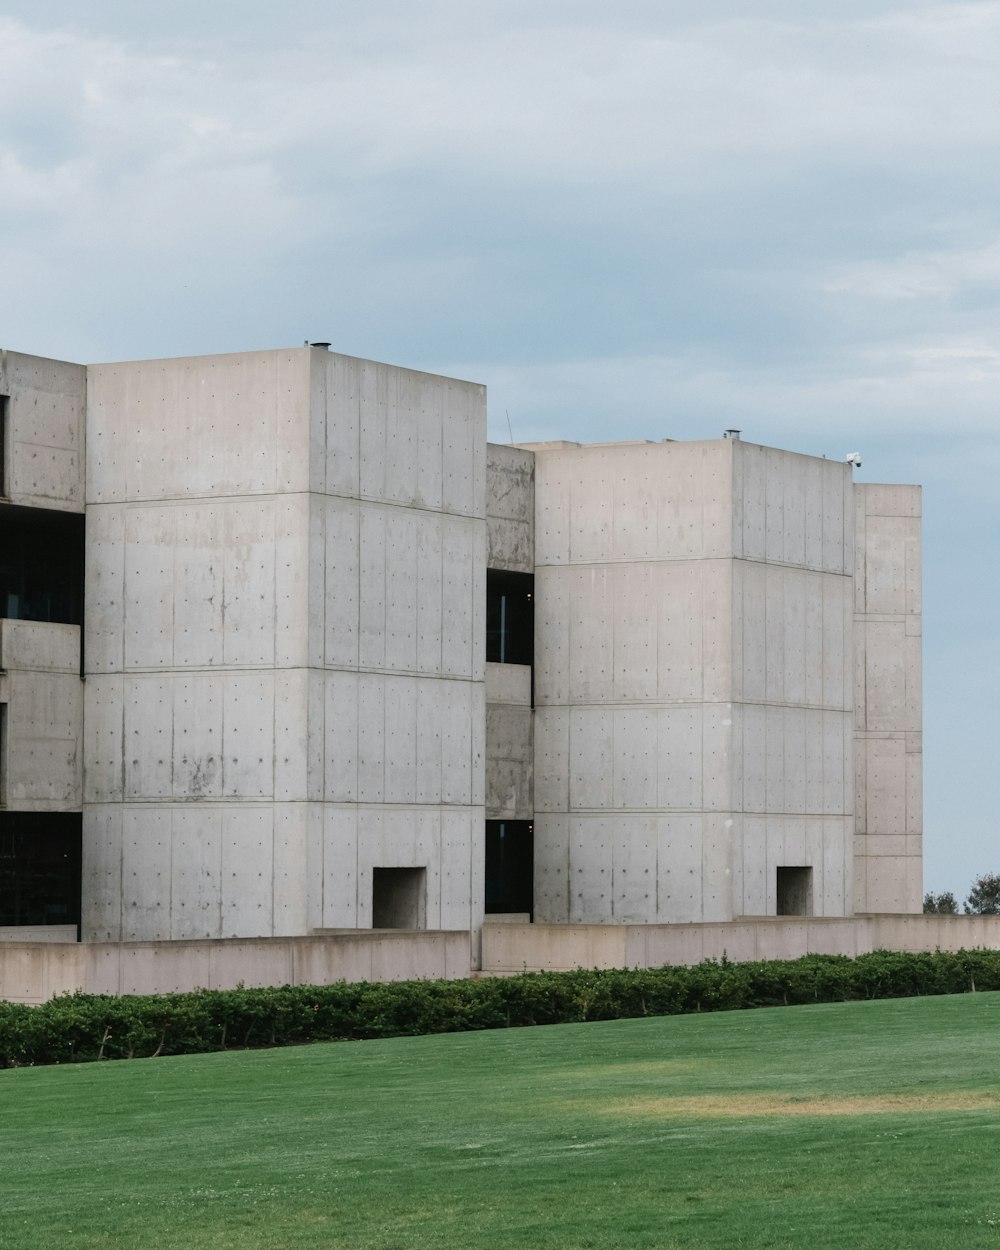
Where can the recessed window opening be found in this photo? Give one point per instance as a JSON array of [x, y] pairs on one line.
[[41, 565], [510, 866], [40, 868], [3, 754], [4, 443], [795, 891], [399, 898], [510, 617]]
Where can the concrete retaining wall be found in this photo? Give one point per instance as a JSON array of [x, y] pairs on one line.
[[535, 948], [32, 972]]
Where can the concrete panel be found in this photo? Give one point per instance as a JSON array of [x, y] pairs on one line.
[[634, 869], [430, 593], [338, 558], [247, 871], [290, 870], [340, 424], [679, 868], [679, 762], [340, 867], [401, 529], [635, 600], [509, 762], [104, 598], [635, 763], [591, 842], [552, 868], [591, 758], [148, 742], [197, 740], [458, 591], [510, 508], [552, 759], [462, 870], [150, 539], [145, 872], [457, 707], [248, 735], [371, 738], [199, 426], [196, 872], [508, 684], [101, 876], [46, 440], [199, 601], [554, 603], [103, 738], [401, 730], [677, 604], [291, 736]]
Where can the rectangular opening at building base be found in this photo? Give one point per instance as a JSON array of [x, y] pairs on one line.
[[399, 898], [510, 863], [795, 891], [40, 868]]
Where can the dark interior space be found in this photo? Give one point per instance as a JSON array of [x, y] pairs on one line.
[[510, 866], [41, 565], [40, 868], [510, 617]]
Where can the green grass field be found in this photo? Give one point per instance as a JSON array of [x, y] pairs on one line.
[[849, 1125]]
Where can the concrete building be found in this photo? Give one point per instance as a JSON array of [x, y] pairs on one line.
[[286, 650]]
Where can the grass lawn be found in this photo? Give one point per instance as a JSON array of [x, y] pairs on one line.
[[849, 1125]]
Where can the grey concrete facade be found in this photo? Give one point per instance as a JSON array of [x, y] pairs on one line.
[[278, 719], [284, 645]]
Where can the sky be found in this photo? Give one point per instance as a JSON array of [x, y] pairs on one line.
[[658, 218]]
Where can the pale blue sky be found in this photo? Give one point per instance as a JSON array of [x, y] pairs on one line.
[[652, 219]]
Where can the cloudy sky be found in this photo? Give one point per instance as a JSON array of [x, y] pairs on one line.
[[657, 218]]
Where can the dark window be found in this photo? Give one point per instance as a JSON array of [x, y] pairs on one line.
[[3, 754], [795, 891], [40, 868], [41, 565], [4, 440], [399, 898], [510, 617], [510, 866]]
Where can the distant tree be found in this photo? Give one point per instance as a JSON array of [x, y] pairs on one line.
[[984, 897], [941, 904]]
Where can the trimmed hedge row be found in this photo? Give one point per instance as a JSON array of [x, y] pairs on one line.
[[80, 1028]]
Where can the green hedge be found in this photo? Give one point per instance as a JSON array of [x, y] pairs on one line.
[[80, 1028]]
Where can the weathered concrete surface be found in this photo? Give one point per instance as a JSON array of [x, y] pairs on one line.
[[40, 684], [509, 743], [45, 449], [285, 644], [510, 508], [693, 681], [888, 711]]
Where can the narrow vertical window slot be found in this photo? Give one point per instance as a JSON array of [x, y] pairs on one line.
[[4, 444]]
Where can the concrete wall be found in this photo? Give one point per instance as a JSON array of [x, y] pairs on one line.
[[34, 971], [693, 681], [888, 743], [286, 554], [46, 431], [510, 508], [793, 673], [511, 948], [509, 743], [397, 637], [42, 769]]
